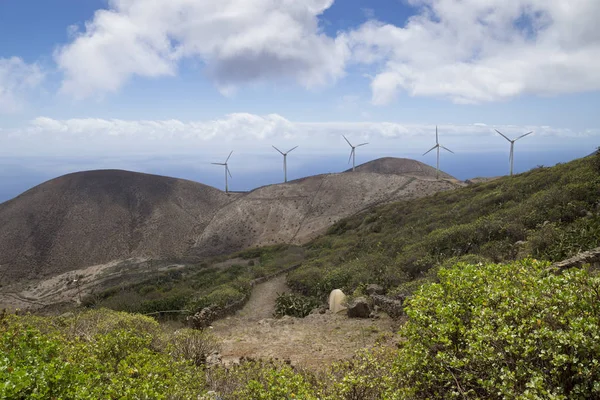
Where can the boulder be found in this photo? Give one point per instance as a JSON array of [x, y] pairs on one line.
[[359, 308], [337, 298], [374, 289]]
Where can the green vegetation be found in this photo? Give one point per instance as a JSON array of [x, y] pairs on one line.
[[517, 330], [93, 355], [295, 305], [546, 213], [193, 287]]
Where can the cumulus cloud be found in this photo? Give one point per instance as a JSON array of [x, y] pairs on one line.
[[238, 41], [16, 78], [255, 133], [472, 51]]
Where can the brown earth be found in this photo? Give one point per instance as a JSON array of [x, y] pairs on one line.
[[400, 166], [313, 342], [300, 210], [97, 217]]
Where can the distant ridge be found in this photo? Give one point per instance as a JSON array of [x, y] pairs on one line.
[[400, 166]]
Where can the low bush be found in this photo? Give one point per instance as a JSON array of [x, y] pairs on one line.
[[193, 345], [94, 355], [295, 305], [502, 331]]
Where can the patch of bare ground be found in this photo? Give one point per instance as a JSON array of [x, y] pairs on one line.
[[70, 287], [313, 342]]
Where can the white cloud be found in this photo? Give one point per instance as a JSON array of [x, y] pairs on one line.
[[254, 133], [16, 78], [472, 51], [239, 41]]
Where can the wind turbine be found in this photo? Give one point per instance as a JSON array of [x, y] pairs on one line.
[[284, 160], [438, 146], [353, 152], [226, 171], [511, 157]]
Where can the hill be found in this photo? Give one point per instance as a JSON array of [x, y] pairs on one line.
[[547, 213], [298, 211], [400, 166], [94, 217]]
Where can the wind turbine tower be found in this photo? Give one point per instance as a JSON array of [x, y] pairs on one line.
[[226, 171], [511, 157], [438, 146], [353, 152], [285, 160]]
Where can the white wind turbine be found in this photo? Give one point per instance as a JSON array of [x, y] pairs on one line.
[[438, 146], [285, 160], [511, 157], [226, 171], [353, 152]]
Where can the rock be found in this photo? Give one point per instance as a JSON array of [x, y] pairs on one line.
[[373, 315], [374, 289], [391, 306], [336, 301], [359, 308]]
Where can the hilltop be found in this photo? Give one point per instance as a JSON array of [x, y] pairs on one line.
[[94, 217], [400, 166]]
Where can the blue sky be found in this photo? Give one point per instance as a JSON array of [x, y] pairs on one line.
[[170, 86]]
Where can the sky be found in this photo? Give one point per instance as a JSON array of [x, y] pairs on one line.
[[169, 86]]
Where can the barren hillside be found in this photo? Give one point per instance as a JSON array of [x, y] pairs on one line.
[[297, 211], [94, 217]]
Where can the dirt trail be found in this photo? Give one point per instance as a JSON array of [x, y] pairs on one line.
[[315, 341], [262, 300]]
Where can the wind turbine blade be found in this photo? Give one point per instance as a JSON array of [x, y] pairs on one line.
[[228, 156], [289, 151], [503, 135], [522, 136], [436, 136], [278, 150], [433, 148], [362, 144], [229, 172], [347, 141], [216, 163], [445, 148], [350, 158]]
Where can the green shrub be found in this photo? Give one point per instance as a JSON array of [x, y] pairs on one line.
[[193, 345], [99, 354], [294, 305], [502, 331], [276, 383], [221, 296]]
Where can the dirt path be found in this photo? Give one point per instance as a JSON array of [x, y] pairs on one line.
[[315, 341], [262, 300]]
